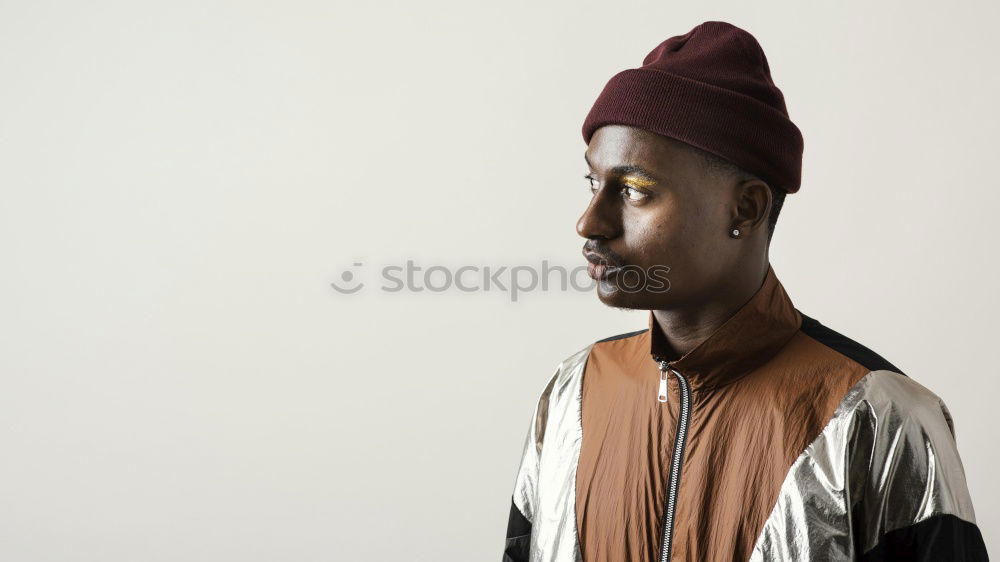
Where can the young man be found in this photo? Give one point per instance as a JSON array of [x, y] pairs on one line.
[[735, 427]]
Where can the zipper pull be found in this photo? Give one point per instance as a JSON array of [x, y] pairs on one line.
[[663, 382]]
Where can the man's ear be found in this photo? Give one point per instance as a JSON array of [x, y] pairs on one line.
[[753, 203]]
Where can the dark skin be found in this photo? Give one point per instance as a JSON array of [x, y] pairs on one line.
[[670, 210]]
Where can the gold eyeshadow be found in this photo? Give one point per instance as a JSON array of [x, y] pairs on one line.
[[636, 181]]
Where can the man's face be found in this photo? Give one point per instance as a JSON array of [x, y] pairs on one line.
[[658, 219]]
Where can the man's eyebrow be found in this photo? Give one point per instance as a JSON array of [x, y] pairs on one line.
[[625, 169]]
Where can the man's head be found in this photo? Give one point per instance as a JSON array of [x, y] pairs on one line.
[[691, 156], [662, 217]]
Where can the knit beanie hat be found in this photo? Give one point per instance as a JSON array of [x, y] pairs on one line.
[[710, 88]]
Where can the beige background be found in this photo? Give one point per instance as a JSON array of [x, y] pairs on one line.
[[181, 181]]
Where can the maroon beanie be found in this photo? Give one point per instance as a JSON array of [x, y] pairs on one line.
[[710, 88]]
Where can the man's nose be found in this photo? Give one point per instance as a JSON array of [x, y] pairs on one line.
[[601, 219]]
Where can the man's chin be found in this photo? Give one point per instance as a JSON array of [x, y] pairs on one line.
[[613, 296]]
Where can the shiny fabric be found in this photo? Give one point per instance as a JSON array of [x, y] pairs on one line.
[[544, 490], [887, 458]]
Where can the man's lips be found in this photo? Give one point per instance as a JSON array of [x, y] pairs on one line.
[[601, 272], [600, 268]]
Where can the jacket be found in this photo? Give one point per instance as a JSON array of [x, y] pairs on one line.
[[774, 439]]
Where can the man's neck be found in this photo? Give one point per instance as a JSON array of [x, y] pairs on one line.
[[684, 328]]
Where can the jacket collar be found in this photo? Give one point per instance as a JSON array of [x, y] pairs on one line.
[[751, 336]]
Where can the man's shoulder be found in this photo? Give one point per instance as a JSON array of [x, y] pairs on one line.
[[845, 346], [891, 445]]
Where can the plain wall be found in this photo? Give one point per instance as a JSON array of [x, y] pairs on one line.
[[182, 181]]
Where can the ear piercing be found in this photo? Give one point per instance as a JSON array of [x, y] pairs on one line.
[[735, 233]]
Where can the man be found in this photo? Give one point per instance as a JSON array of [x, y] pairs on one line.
[[735, 427]]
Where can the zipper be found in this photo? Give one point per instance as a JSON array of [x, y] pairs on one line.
[[678, 453]]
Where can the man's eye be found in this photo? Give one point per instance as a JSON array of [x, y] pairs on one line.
[[634, 194]]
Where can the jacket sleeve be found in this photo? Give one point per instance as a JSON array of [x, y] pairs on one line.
[[913, 503], [517, 544]]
